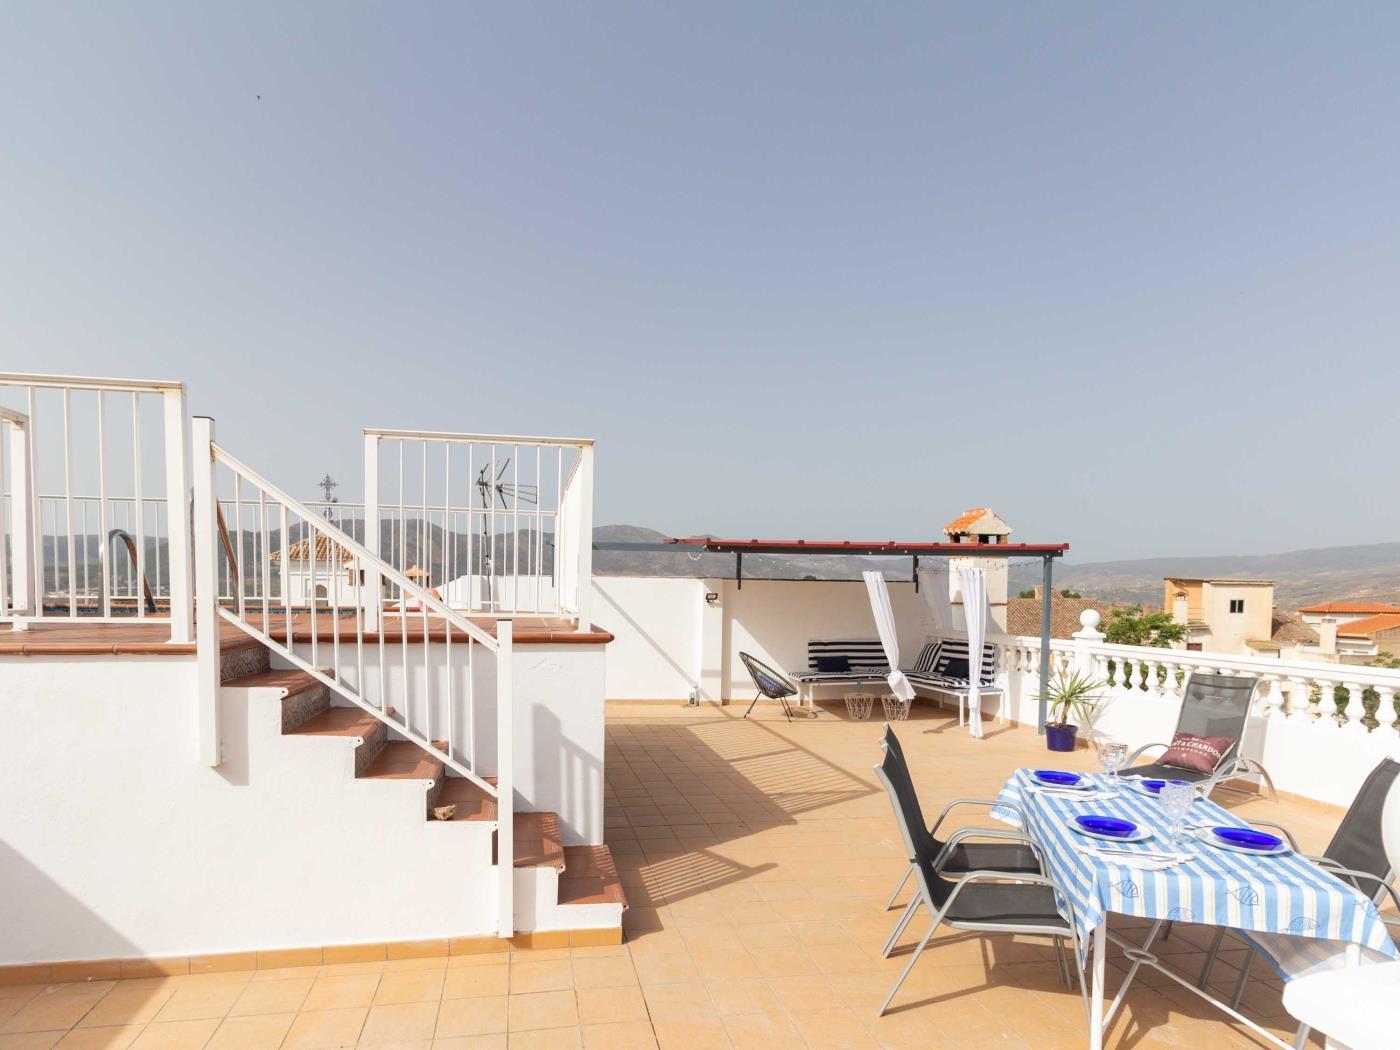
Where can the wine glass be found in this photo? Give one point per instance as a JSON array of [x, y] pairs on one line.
[[1112, 755], [1177, 796]]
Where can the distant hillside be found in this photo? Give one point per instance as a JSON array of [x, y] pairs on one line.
[[721, 566], [1302, 577]]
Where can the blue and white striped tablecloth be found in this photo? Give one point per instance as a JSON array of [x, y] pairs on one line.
[[1283, 895]]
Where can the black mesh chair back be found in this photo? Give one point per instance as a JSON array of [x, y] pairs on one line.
[[1216, 705], [770, 683], [909, 815], [1358, 843], [892, 742]]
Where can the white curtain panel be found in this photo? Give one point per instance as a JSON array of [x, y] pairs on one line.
[[972, 582], [889, 639], [933, 589]]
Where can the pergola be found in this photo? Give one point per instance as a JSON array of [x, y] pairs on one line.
[[1046, 552]]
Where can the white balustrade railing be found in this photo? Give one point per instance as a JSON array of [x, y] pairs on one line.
[[67, 554], [1317, 727], [492, 523], [381, 640]]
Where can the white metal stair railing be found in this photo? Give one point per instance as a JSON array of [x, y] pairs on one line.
[[313, 594]]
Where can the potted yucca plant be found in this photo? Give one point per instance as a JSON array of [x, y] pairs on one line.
[[1072, 700]]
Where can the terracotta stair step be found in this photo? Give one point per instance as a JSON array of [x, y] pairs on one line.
[[341, 721], [538, 843], [471, 801], [590, 877], [405, 760]]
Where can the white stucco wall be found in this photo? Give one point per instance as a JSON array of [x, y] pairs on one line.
[[656, 624], [115, 842], [668, 638]]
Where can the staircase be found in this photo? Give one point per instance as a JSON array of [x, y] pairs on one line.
[[559, 890]]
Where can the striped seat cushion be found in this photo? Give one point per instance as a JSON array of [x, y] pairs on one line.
[[865, 657], [947, 667]]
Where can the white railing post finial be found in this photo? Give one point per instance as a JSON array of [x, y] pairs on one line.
[[505, 778], [206, 591], [1085, 639]]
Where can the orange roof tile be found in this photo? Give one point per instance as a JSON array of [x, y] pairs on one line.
[[326, 550], [1371, 625], [965, 521], [1352, 608]]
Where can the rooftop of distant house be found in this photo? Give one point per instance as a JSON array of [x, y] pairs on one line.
[[1370, 625], [1219, 580], [1360, 608]]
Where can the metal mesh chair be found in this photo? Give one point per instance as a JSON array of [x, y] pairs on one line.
[[1356, 855], [1212, 705], [770, 683], [1009, 851], [980, 901]]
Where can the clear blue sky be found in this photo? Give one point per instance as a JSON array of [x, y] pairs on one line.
[[1129, 273]]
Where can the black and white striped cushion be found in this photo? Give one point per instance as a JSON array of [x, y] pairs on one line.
[[956, 649], [860, 652], [928, 657]]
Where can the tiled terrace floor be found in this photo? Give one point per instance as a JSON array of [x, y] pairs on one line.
[[757, 857]]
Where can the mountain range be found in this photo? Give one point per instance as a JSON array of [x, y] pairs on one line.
[[1370, 571]]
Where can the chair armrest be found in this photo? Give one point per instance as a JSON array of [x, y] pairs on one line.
[[1331, 866], [1140, 751], [999, 834], [990, 803]]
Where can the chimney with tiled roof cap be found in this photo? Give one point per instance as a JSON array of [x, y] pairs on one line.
[[981, 525]]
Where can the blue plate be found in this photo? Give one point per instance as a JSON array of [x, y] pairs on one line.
[[1247, 838], [1148, 787], [1055, 778], [1108, 828]]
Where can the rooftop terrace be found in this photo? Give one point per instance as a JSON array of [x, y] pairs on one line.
[[757, 856]]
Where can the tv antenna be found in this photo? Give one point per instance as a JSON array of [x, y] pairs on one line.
[[510, 495]]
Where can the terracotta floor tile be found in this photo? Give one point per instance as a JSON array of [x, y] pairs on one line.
[[680, 1002], [604, 972], [619, 1035], [175, 1035], [316, 1029], [691, 1035], [257, 1032], [412, 986], [117, 1037], [484, 1015], [601, 1005], [476, 982], [763, 1031], [30, 1040], [542, 1010], [197, 1004], [51, 1011], [124, 1005], [472, 1042], [341, 992], [270, 997], [547, 1039], [550, 976], [676, 968], [398, 1022]]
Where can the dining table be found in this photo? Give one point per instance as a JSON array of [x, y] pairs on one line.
[[1308, 918]]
